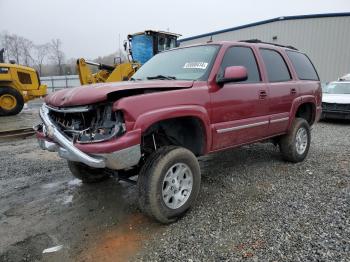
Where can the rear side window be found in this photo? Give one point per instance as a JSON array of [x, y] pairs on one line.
[[242, 56], [303, 66], [277, 70], [24, 78]]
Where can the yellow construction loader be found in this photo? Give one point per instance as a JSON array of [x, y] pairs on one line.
[[106, 73], [18, 85], [140, 48]]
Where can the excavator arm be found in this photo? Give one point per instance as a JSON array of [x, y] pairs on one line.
[[106, 73]]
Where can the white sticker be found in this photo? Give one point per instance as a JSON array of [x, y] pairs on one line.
[[196, 65]]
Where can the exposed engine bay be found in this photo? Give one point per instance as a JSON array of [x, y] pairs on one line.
[[88, 124]]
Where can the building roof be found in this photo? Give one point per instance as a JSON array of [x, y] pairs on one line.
[[281, 18]]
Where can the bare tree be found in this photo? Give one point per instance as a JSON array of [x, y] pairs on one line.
[[14, 47], [26, 51], [5, 43], [57, 55], [40, 55], [17, 48]]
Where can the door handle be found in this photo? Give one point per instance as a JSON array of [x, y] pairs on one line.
[[293, 91], [262, 94]]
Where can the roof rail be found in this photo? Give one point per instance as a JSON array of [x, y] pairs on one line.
[[257, 41]]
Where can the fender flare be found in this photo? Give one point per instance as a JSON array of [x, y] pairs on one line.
[[147, 119], [297, 103]]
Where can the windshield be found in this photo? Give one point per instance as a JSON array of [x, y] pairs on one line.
[[337, 88], [191, 63]]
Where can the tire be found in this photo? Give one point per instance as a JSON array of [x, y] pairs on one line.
[[295, 145], [156, 184], [86, 174], [6, 95]]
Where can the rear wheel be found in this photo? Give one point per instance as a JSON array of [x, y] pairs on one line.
[[87, 174], [295, 145], [11, 101], [169, 183]]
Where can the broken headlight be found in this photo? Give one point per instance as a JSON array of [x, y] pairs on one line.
[[104, 126]]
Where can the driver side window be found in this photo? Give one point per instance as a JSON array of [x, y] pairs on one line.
[[242, 56]]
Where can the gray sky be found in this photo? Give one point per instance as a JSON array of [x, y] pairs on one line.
[[90, 28]]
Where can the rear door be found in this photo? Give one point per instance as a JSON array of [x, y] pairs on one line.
[[283, 89], [239, 110]]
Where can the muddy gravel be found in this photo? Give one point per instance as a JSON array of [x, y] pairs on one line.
[[252, 206]]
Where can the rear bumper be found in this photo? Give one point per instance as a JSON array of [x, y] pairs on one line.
[[35, 93], [98, 155]]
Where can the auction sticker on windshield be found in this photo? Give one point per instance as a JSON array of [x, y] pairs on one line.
[[196, 65]]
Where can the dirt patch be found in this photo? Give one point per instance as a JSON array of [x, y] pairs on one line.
[[38, 154], [122, 242]]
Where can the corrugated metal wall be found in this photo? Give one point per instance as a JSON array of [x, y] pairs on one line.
[[325, 40]]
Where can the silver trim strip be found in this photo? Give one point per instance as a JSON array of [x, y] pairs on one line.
[[78, 109], [225, 130], [279, 120]]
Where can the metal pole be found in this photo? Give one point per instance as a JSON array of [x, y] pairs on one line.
[[52, 84]]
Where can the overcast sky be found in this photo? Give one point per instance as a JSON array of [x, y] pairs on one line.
[[91, 28]]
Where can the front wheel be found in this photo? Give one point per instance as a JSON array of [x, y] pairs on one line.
[[86, 174], [295, 145], [11, 101], [169, 183]]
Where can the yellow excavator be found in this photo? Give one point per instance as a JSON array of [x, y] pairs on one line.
[[18, 85], [140, 48]]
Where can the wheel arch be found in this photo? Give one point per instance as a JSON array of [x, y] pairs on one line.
[[304, 107], [194, 118]]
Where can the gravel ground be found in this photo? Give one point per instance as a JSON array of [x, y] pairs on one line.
[[252, 206]]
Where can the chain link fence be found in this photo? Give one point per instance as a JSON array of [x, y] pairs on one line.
[[55, 83]]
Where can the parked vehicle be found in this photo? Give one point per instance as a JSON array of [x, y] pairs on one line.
[[181, 104], [18, 85], [336, 100], [345, 78]]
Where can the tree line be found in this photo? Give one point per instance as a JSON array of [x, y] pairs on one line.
[[23, 51], [48, 58]]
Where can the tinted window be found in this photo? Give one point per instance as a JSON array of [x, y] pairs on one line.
[[242, 56], [303, 66], [277, 70]]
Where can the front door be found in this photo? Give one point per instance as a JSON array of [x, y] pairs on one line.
[[239, 110]]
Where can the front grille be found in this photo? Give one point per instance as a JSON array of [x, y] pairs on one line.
[[335, 107], [72, 123]]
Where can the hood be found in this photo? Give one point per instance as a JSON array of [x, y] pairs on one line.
[[91, 94], [336, 98]]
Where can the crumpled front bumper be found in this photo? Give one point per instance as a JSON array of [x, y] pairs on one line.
[[51, 139]]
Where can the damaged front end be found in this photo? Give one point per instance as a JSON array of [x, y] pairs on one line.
[[82, 133], [89, 124]]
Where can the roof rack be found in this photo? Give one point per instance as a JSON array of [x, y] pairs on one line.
[[257, 41]]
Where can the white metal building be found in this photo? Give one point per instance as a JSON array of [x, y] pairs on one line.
[[325, 38]]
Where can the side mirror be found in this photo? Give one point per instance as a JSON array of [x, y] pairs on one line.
[[125, 45], [233, 74]]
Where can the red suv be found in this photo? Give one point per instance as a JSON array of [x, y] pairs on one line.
[[184, 103]]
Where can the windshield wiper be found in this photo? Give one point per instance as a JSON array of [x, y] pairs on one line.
[[161, 77], [133, 79]]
